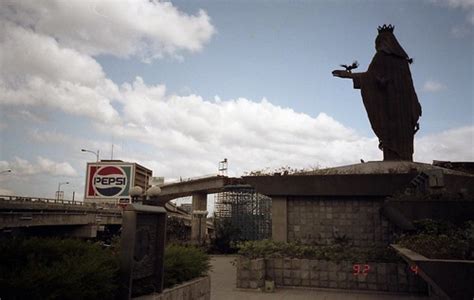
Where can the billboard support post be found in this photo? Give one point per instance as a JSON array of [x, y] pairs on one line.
[[142, 250]]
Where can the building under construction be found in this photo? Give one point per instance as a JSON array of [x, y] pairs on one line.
[[246, 210]]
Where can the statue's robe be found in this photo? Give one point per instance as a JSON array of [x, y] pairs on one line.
[[391, 104]]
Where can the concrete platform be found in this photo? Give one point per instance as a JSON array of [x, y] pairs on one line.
[[384, 167]]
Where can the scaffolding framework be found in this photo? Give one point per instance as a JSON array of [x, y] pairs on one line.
[[246, 210]]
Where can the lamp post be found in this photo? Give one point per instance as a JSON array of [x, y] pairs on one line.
[[136, 193], [59, 188], [93, 152]]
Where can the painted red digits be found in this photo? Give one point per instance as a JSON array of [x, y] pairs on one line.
[[366, 269], [356, 269], [414, 269]]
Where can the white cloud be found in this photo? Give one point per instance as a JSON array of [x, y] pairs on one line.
[[149, 29], [190, 135], [42, 166], [34, 73], [461, 31], [47, 49], [433, 86], [30, 116], [467, 5], [73, 144], [453, 145]]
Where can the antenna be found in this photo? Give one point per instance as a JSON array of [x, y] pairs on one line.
[[223, 167], [112, 152]]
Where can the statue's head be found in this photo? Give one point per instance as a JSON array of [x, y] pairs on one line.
[[387, 42]]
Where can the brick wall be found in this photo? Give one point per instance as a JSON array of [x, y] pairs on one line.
[[322, 219]]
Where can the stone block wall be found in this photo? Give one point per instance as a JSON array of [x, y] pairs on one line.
[[386, 277], [250, 273], [322, 219], [197, 289]]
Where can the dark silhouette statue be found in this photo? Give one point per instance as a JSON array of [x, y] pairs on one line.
[[389, 96]]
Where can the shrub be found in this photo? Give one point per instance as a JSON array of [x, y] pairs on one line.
[[183, 263], [434, 227], [335, 252], [226, 234], [39, 268], [177, 231], [437, 246], [441, 240]]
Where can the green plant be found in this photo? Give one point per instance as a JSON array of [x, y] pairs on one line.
[[283, 170], [429, 226], [335, 252], [226, 234], [176, 230], [40, 268], [437, 246], [440, 239], [183, 263]]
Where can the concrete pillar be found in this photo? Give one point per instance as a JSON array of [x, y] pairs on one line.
[[199, 206], [279, 219], [85, 231]]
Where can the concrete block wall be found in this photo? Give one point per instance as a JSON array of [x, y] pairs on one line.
[[386, 277], [197, 289], [250, 273], [322, 219]]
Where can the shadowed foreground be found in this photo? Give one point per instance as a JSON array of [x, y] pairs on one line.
[[223, 287]]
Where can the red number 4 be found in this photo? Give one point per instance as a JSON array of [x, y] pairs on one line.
[[414, 269]]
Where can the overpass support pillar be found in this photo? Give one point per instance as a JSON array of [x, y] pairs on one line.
[[279, 219], [199, 216], [85, 231]]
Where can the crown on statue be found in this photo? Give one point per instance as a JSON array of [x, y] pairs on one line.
[[385, 28]]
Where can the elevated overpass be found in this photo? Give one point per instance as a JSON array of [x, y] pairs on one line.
[[194, 186], [72, 218], [198, 188], [85, 219]]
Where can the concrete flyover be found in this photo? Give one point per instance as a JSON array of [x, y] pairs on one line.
[[201, 185], [74, 218], [85, 219], [81, 219], [198, 189]]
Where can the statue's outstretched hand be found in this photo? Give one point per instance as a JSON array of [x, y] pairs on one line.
[[342, 74]]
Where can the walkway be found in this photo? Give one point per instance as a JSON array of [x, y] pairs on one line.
[[223, 288]]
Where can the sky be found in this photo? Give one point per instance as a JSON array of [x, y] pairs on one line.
[[179, 86]]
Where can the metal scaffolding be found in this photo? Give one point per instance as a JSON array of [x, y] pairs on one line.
[[247, 210]]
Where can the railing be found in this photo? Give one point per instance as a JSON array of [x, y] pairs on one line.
[[193, 178], [22, 199]]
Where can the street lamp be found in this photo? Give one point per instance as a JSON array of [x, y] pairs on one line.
[[6, 171], [93, 152], [59, 188]]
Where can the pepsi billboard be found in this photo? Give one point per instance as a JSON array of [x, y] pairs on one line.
[[108, 180]]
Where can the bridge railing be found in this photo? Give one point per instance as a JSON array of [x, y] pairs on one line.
[[21, 199], [43, 200], [192, 178]]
